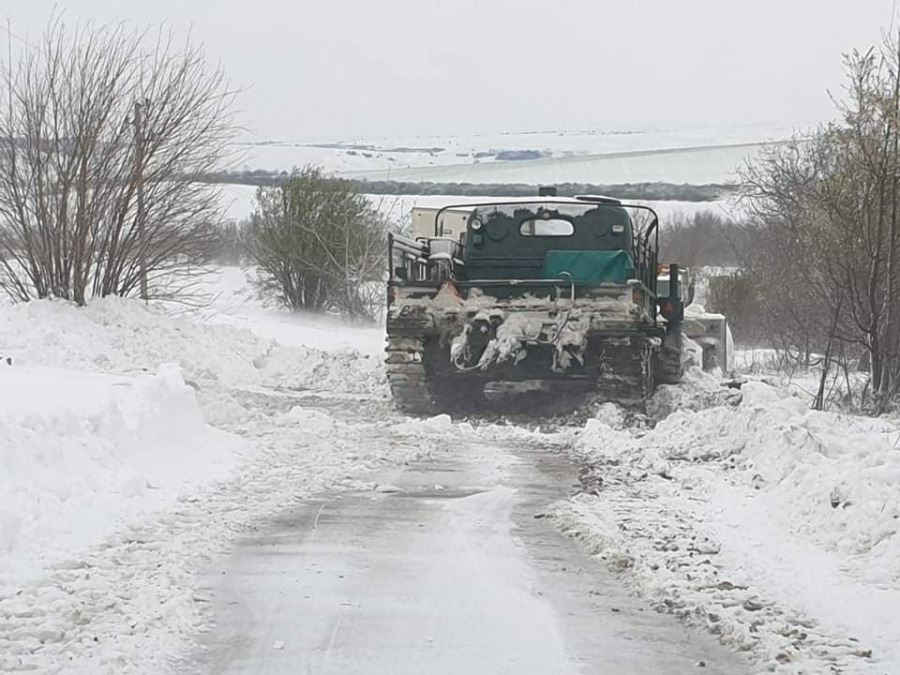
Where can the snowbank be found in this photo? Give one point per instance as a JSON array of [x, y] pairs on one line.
[[135, 604], [698, 391], [98, 425], [126, 336], [115, 488], [771, 525], [81, 452], [774, 366]]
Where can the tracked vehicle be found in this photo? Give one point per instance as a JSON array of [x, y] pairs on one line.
[[558, 292]]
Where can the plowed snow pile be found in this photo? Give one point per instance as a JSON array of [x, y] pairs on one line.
[[125, 336], [771, 525], [80, 453], [115, 487]]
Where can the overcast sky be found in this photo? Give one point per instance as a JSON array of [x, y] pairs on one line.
[[341, 69]]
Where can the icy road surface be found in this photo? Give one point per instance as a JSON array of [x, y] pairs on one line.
[[444, 569]]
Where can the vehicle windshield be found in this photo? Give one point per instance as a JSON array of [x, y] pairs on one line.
[[547, 227]]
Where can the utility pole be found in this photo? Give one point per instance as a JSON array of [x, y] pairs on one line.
[[139, 179]]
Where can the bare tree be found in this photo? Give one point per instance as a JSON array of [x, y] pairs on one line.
[[701, 239], [823, 248], [100, 131]]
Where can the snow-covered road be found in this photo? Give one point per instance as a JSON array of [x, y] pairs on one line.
[[159, 472], [445, 568]]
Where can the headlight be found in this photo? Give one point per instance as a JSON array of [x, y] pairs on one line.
[[618, 229], [476, 224]]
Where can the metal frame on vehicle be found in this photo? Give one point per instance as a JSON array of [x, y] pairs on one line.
[[645, 248], [646, 256]]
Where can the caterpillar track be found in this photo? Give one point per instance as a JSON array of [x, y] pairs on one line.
[[625, 370], [418, 390], [407, 377]]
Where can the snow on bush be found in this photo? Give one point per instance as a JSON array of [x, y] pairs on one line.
[[771, 525], [80, 452]]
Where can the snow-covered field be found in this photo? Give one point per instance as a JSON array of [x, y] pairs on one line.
[[688, 156], [239, 200], [234, 302], [135, 445], [702, 154], [693, 166]]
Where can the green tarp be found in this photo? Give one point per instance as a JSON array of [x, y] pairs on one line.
[[613, 267]]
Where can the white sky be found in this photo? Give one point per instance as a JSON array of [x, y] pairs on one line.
[[342, 69]]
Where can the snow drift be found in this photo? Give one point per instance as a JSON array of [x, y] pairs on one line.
[[115, 488], [80, 452], [113, 335], [773, 526], [104, 412]]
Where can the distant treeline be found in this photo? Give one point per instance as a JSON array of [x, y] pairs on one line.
[[642, 191]]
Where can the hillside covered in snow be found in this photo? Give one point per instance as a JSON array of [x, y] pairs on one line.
[[702, 154]]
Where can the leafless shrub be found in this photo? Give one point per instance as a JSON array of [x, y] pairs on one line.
[[701, 239], [319, 246], [822, 250], [231, 244], [736, 296], [99, 130], [392, 209]]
